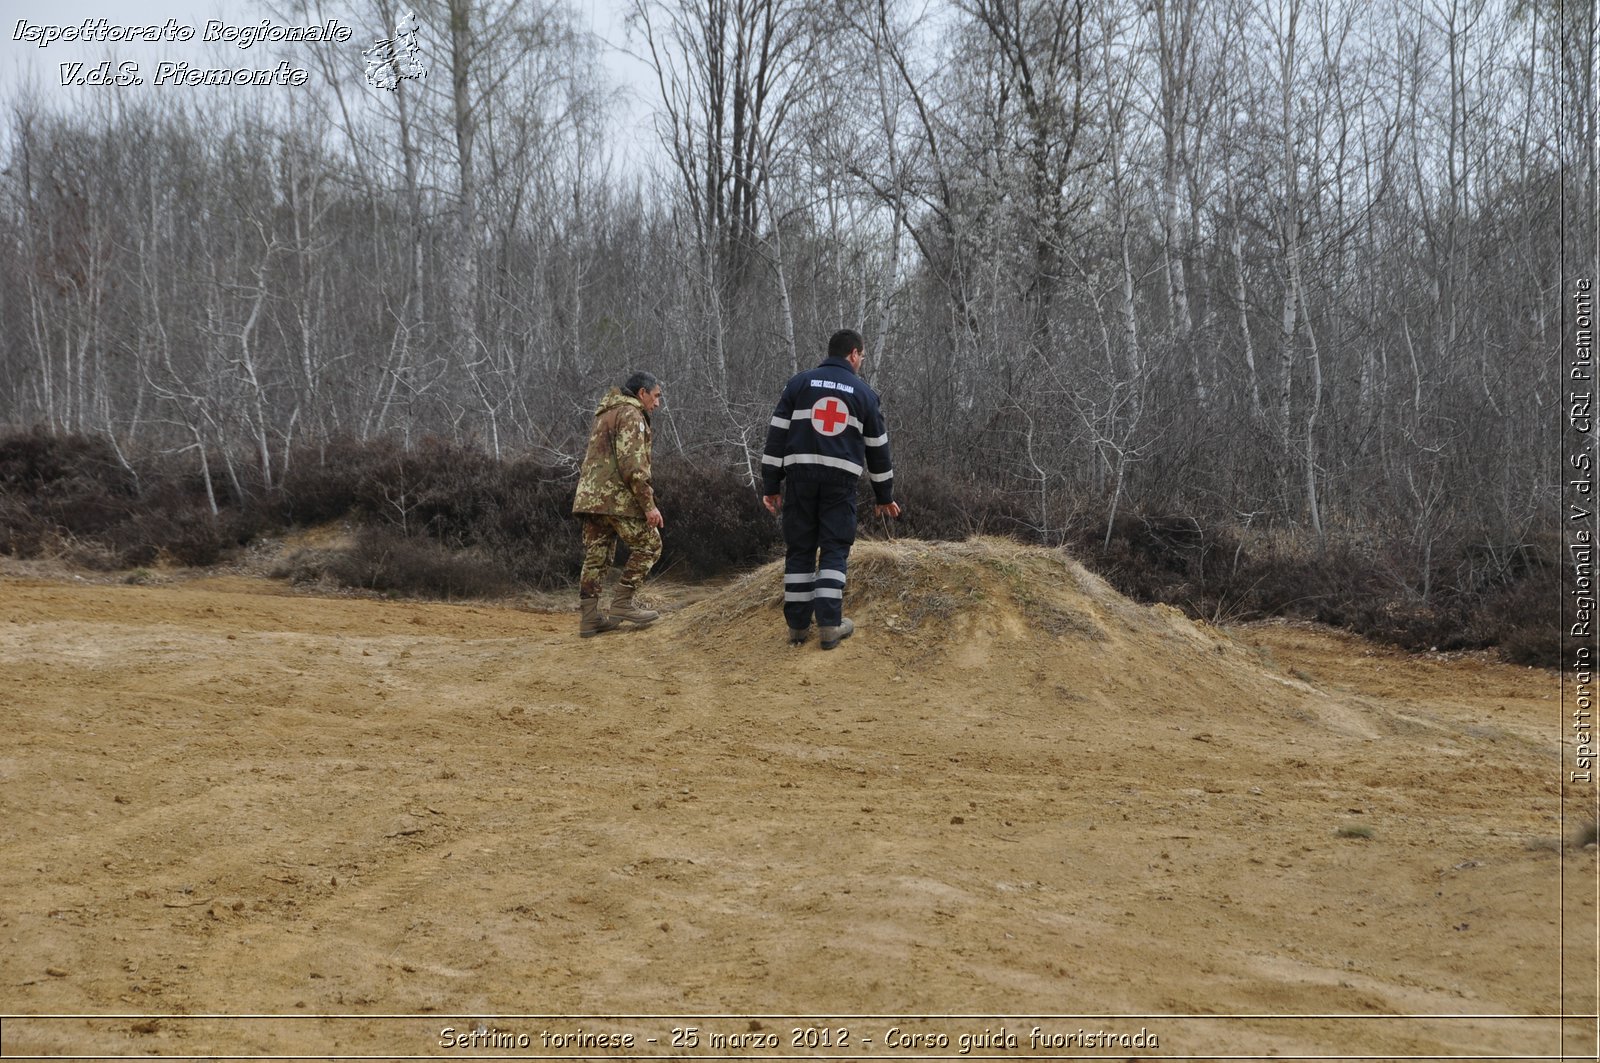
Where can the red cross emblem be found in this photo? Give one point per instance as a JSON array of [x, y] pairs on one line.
[[829, 416]]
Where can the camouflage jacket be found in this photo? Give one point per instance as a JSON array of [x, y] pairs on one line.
[[616, 469]]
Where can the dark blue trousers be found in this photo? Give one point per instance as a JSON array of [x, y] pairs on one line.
[[819, 526]]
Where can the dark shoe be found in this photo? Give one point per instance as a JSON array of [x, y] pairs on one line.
[[591, 621], [798, 635], [832, 636], [623, 607]]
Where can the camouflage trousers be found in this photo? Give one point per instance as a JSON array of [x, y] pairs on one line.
[[600, 534]]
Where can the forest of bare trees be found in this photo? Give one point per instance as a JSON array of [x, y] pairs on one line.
[[1291, 264]]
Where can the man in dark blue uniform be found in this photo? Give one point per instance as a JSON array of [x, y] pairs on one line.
[[826, 431]]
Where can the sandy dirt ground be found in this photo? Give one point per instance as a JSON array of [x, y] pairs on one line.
[[1012, 800]]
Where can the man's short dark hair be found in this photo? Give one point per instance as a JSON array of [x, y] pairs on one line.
[[639, 380], [843, 342]]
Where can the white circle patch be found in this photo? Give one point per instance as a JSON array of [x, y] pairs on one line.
[[829, 416]]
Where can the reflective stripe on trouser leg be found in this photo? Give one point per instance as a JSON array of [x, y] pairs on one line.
[[800, 560], [836, 531], [798, 594], [830, 596]]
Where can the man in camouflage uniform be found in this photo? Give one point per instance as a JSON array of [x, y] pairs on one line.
[[616, 501]]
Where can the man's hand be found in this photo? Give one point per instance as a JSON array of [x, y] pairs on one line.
[[890, 510], [653, 518], [773, 503]]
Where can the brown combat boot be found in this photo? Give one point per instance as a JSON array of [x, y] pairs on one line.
[[623, 607], [591, 621], [832, 636]]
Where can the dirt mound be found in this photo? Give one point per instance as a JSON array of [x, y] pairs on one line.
[[989, 603], [904, 584], [938, 592]]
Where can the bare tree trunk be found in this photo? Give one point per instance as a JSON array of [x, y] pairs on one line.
[[464, 275], [1314, 410], [1175, 36], [247, 362], [1241, 302], [1285, 43]]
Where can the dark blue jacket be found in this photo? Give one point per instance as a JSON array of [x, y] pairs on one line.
[[828, 427]]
